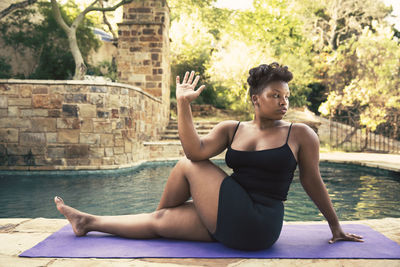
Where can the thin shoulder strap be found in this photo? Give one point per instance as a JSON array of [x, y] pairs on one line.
[[290, 127], [237, 126]]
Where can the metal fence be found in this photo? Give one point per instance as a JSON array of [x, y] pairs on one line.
[[347, 134]]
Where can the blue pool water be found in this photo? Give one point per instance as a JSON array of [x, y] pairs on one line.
[[356, 192]]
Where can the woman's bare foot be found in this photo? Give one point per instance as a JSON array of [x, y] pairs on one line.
[[78, 220]]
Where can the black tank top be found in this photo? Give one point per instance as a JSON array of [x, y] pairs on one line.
[[263, 173]]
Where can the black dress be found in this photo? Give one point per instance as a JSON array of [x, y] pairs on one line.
[[250, 208]]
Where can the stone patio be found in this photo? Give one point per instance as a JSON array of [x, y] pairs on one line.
[[18, 235]]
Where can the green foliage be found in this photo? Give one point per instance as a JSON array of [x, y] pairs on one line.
[[316, 96], [191, 48], [5, 68], [105, 68], [23, 30], [371, 88], [334, 59]]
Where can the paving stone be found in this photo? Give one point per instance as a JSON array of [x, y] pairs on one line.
[[314, 262], [4, 221], [15, 261], [41, 225], [12, 244]]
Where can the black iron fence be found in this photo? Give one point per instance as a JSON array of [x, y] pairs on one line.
[[347, 134]]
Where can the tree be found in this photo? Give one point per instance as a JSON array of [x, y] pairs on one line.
[[371, 92], [16, 6], [331, 22], [25, 31], [70, 30], [191, 47], [269, 32]]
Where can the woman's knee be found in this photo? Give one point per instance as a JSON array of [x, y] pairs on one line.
[[159, 223], [187, 164]]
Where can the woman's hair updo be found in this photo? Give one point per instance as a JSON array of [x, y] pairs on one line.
[[264, 74]]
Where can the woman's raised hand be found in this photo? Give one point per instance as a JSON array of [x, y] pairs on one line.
[[185, 90]]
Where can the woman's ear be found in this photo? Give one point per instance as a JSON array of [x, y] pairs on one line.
[[254, 100]]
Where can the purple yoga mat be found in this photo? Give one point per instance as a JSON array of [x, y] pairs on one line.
[[296, 241]]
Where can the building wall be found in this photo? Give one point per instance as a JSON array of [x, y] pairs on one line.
[[76, 124]]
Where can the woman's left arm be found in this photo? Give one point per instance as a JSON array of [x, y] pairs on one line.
[[310, 178]]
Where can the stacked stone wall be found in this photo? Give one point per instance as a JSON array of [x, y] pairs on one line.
[[143, 47], [76, 125]]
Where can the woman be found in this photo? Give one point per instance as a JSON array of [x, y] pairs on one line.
[[242, 211]]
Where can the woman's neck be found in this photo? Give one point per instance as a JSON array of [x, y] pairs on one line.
[[264, 123]]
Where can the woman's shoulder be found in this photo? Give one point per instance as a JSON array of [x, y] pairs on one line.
[[228, 123], [302, 131], [227, 126]]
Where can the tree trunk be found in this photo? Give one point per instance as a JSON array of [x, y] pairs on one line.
[[80, 67]]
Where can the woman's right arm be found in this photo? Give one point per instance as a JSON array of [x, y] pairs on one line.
[[197, 148]]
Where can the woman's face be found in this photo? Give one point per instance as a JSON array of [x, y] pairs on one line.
[[273, 101]]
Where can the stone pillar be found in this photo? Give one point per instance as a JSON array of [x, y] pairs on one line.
[[143, 47]]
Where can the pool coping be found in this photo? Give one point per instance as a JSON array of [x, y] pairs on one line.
[[20, 234], [389, 162]]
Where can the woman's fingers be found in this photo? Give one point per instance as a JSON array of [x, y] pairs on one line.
[[186, 77], [201, 88], [196, 81], [354, 235], [191, 77], [177, 80], [347, 237]]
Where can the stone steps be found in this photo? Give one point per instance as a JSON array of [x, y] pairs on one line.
[[202, 128]]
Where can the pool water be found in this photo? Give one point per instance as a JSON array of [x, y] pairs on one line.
[[356, 192]]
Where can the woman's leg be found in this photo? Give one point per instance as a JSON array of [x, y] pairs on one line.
[[201, 179], [181, 222], [177, 188]]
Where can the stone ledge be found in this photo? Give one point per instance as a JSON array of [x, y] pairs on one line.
[[79, 82]]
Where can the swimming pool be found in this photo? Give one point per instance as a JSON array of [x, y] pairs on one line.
[[356, 192]]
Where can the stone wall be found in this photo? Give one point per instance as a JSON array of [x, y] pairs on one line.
[[143, 47], [76, 124]]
